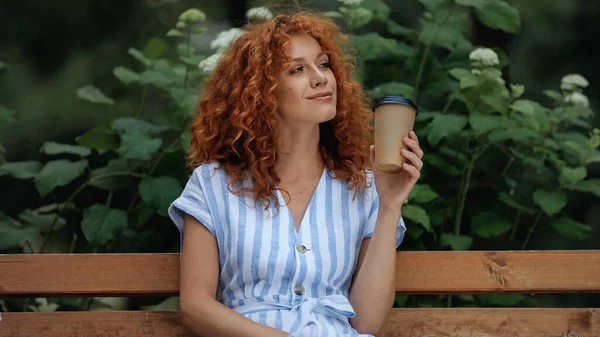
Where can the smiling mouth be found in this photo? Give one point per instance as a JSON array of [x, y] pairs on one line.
[[322, 98]]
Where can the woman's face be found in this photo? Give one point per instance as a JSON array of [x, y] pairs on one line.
[[306, 93]]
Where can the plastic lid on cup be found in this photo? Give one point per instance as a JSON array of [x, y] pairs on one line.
[[395, 100]]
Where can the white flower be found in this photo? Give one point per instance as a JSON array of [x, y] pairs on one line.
[[486, 56], [578, 99], [259, 13], [209, 64], [573, 81], [225, 38], [476, 72], [351, 2]]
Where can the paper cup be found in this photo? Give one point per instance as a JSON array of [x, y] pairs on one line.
[[394, 119]]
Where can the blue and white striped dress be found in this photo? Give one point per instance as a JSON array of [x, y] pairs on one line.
[[297, 282]]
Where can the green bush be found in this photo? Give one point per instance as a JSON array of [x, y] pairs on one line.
[[499, 167]]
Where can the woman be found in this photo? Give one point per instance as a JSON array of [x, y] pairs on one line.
[[286, 231]]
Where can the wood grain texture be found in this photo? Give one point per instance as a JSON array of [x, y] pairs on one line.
[[498, 272], [93, 324], [488, 322], [52, 275], [417, 322], [474, 272]]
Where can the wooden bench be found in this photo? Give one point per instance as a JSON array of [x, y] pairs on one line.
[[417, 273]]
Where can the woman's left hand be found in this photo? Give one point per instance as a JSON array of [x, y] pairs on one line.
[[393, 189]]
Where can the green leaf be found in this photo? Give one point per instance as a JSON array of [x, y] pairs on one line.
[[392, 89], [358, 16], [126, 75], [397, 29], [58, 173], [524, 136], [499, 15], [12, 234], [497, 102], [21, 170], [571, 229], [7, 115], [510, 202], [138, 55], [169, 304], [421, 194], [456, 242], [469, 81], [372, 47], [42, 221], [175, 32], [569, 176], [156, 78], [504, 300], [555, 95], [527, 107], [488, 224], [379, 8], [414, 231], [589, 185], [400, 300], [92, 94], [446, 36], [471, 3], [193, 15], [441, 164], [516, 90], [52, 148], [3, 65], [186, 140], [126, 125], [140, 145], [185, 49], [100, 223], [99, 138], [443, 126], [333, 14], [417, 215], [433, 5], [155, 48], [481, 123], [114, 176], [459, 73], [528, 159], [159, 193], [550, 201]]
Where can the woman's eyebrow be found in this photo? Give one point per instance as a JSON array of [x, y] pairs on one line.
[[297, 59]]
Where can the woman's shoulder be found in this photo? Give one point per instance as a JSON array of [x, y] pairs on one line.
[[207, 170]]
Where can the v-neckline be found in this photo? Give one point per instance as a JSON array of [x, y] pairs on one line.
[[308, 207]]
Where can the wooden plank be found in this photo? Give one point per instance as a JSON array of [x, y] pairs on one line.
[[488, 322], [416, 272], [54, 275], [92, 324], [498, 272], [413, 322]]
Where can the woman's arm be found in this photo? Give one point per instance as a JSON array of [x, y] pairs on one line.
[[373, 288], [202, 314]]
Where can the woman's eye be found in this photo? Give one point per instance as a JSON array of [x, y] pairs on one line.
[[325, 65], [297, 70]]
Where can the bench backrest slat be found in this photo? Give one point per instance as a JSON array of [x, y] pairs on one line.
[[473, 272]]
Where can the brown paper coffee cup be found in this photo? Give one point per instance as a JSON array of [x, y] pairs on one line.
[[394, 119]]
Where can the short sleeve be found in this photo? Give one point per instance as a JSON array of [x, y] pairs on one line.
[[193, 202], [372, 209]]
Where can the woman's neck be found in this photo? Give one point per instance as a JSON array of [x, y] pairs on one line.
[[299, 154]]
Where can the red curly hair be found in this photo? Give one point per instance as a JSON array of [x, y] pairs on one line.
[[235, 123]]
